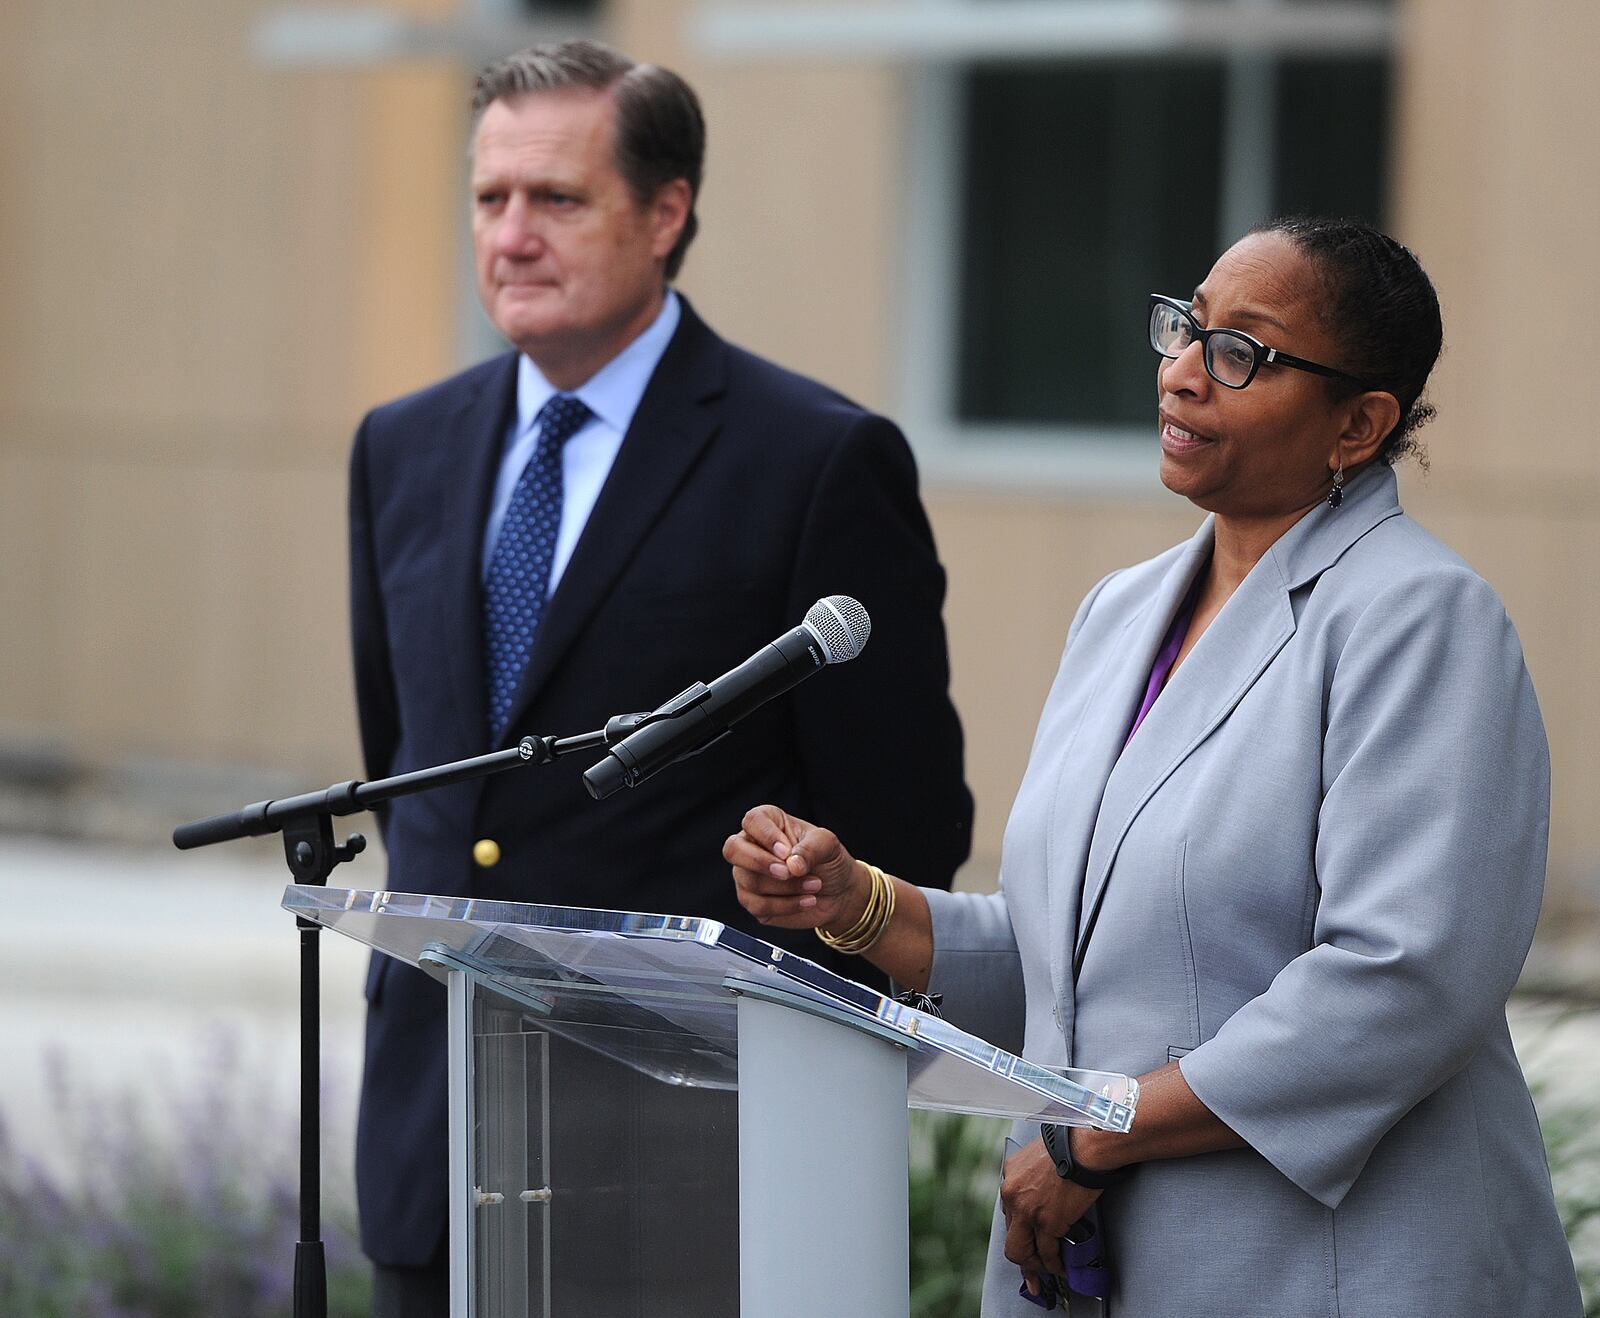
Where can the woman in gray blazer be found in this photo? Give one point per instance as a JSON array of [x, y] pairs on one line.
[[1279, 851]]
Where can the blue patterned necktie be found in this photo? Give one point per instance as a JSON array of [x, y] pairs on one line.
[[519, 569]]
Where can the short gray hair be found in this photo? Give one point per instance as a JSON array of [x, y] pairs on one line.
[[661, 132]]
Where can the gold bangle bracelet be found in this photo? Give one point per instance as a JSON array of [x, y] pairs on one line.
[[874, 919], [846, 941]]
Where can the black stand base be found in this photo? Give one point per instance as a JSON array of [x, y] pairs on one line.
[[310, 1267], [310, 1278]]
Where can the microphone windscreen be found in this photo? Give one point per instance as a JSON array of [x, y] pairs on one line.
[[841, 627]]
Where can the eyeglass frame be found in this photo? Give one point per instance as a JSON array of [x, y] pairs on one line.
[[1263, 355]]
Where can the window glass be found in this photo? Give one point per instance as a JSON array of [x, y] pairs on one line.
[[1089, 184], [1084, 183], [562, 8], [1332, 150]]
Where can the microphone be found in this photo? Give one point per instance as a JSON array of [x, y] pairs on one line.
[[835, 630]]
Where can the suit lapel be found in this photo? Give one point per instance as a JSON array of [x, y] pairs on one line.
[[1088, 757], [1243, 639], [467, 473], [672, 427], [1236, 648]]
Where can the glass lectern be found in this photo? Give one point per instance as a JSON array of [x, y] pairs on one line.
[[658, 1115]]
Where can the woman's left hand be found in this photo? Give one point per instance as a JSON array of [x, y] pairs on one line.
[[1039, 1208]]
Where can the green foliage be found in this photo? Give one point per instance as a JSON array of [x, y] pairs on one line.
[[1573, 1145], [955, 1175], [183, 1206], [1569, 1116]]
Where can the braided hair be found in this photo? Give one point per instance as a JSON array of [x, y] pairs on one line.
[[1383, 312]]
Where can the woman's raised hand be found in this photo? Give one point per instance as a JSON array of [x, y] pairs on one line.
[[792, 874]]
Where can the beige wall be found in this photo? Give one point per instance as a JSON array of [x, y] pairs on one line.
[[1502, 194], [799, 240], [211, 269]]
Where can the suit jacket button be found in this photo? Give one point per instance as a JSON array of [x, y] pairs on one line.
[[486, 851]]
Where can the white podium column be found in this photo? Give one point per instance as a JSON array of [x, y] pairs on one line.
[[822, 1165], [463, 1199]]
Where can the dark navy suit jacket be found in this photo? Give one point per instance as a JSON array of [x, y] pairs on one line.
[[741, 494]]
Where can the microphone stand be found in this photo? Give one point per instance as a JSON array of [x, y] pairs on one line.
[[306, 822]]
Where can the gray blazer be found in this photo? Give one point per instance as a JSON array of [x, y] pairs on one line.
[[1312, 876]]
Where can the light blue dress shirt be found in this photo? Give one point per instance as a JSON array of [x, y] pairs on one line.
[[612, 394]]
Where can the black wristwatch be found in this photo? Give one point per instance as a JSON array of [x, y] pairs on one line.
[[1059, 1146]]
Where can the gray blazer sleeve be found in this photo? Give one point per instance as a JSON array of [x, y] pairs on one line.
[[1430, 857], [976, 967]]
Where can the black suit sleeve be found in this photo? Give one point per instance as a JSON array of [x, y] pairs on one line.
[[376, 703], [879, 742]]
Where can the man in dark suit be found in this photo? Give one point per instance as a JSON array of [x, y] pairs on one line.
[[580, 528]]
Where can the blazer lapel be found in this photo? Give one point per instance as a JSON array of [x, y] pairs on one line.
[[1089, 752], [672, 427], [471, 456], [1245, 637]]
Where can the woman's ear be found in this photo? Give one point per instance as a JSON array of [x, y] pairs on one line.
[[1369, 418]]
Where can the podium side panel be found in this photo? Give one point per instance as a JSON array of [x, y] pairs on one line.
[[822, 1168]]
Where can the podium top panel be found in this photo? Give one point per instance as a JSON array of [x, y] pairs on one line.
[[595, 975]]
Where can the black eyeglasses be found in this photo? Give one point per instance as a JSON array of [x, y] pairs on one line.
[[1232, 357]]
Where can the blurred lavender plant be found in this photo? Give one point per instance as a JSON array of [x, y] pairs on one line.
[[180, 1207]]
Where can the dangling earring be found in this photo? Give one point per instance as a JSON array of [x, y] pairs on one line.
[[1336, 494]]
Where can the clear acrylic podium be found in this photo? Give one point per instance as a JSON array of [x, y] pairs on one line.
[[658, 1115]]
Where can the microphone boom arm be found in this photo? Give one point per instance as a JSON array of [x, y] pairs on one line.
[[306, 820]]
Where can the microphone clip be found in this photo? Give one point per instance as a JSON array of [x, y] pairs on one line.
[[622, 725]]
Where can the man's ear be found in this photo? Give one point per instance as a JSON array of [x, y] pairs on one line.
[[669, 212]]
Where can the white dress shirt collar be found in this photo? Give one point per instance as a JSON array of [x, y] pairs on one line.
[[613, 392], [613, 395]]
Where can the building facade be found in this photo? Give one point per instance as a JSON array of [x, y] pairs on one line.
[[215, 257]]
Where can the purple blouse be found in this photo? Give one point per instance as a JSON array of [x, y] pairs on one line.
[[1167, 655]]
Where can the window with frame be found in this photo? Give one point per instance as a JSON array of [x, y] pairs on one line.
[[1087, 185], [1055, 183]]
